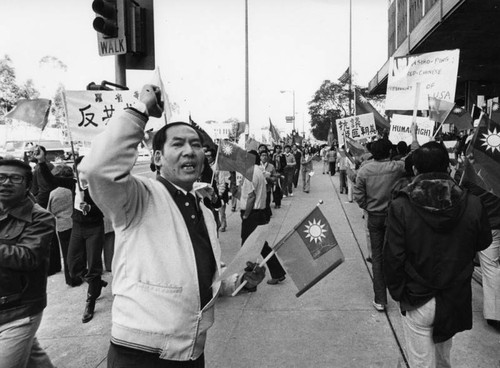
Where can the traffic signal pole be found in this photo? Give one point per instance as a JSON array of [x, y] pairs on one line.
[[120, 70]]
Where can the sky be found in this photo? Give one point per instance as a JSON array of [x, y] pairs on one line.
[[294, 45]]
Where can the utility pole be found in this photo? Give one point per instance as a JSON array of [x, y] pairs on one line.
[[247, 98]]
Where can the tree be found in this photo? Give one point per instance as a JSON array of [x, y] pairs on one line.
[[53, 68], [330, 102], [10, 91]]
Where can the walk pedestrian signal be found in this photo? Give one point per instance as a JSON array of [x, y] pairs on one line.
[[110, 26]]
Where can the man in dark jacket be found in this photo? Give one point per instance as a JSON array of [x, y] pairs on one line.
[[434, 229], [87, 236], [26, 231]]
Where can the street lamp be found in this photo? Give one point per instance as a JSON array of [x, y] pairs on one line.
[[293, 94]]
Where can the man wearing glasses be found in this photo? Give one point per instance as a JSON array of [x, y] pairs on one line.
[[26, 230]]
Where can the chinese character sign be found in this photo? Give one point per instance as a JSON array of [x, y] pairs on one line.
[[435, 71], [356, 127], [90, 111]]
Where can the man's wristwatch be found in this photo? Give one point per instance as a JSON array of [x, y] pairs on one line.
[[141, 108]]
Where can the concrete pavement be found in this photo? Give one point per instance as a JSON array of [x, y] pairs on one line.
[[331, 325]]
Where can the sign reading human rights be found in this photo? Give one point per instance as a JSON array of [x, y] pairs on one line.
[[356, 127], [435, 71], [400, 129]]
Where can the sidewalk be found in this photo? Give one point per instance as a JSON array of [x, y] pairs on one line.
[[331, 325]]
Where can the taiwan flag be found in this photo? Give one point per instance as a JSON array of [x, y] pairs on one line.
[[231, 157], [484, 153], [309, 251], [34, 112]]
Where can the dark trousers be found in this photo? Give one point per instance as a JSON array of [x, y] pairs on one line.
[[64, 238], [86, 243], [256, 218], [331, 166], [278, 192], [343, 180], [122, 357], [55, 256], [269, 213], [376, 228], [296, 176], [288, 184]]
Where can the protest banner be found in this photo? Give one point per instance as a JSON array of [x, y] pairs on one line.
[[356, 127], [435, 71], [400, 129], [88, 112]]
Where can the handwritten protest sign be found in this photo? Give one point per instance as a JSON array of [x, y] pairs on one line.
[[436, 72], [400, 129], [356, 127], [90, 111]]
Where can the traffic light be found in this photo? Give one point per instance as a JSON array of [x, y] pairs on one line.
[[110, 26], [106, 23]]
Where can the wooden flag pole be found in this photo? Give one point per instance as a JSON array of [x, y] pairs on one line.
[[273, 251]]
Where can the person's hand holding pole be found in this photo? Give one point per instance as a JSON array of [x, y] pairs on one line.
[[39, 154], [150, 96]]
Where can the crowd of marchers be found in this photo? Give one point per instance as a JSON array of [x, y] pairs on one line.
[[160, 237]]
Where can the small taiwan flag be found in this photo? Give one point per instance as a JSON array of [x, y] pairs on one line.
[[310, 251], [231, 157]]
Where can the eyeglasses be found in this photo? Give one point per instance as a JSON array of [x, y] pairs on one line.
[[14, 179]]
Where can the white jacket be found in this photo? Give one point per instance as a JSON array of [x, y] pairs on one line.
[[156, 304]]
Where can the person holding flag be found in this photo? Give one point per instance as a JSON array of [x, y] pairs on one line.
[[167, 254], [253, 214]]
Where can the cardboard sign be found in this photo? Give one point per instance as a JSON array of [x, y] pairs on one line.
[[435, 71], [356, 127], [400, 129]]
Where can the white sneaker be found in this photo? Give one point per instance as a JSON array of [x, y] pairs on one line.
[[291, 194], [379, 307]]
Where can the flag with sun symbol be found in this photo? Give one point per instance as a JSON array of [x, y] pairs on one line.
[[310, 251], [460, 118], [363, 106], [232, 157], [485, 150]]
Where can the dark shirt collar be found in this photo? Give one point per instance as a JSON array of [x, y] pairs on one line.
[[23, 211], [172, 188]]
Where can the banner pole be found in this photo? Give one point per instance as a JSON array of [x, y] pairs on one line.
[[415, 105], [71, 140]]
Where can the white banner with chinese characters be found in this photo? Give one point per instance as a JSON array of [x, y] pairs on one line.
[[356, 127], [435, 71], [89, 111], [400, 129]]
